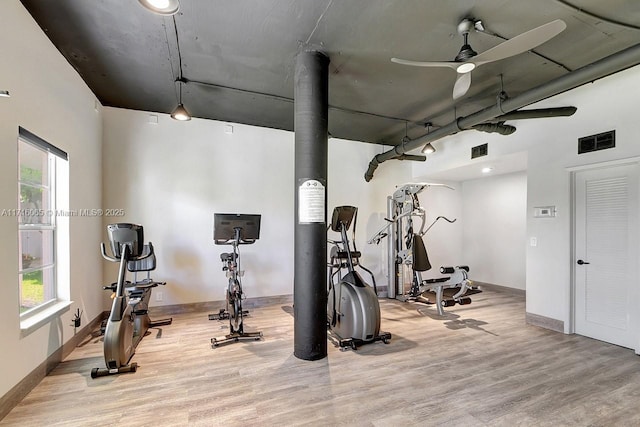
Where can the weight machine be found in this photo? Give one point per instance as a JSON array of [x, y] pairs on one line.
[[407, 256]]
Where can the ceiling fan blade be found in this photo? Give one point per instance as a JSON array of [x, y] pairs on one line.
[[521, 43], [453, 65], [540, 113], [463, 82]]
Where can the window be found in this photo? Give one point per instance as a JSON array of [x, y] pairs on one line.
[[38, 162]]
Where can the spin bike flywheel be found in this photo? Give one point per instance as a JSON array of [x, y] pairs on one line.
[[235, 306]]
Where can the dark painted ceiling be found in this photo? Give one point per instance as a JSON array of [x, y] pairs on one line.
[[239, 55]]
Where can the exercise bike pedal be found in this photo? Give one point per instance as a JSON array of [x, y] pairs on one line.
[[221, 315]]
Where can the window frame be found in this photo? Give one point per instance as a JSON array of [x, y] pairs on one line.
[[54, 155]]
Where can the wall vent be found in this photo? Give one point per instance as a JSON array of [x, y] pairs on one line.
[[601, 141], [479, 150]]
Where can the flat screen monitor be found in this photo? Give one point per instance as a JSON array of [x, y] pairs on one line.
[[225, 226]]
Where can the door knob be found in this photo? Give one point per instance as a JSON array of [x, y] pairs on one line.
[[581, 262]]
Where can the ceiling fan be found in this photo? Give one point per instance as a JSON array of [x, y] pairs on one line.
[[467, 59]]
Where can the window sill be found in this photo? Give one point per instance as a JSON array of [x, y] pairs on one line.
[[34, 322]]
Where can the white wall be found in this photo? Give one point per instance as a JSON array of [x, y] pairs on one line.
[[49, 99], [494, 229], [607, 104], [173, 176]]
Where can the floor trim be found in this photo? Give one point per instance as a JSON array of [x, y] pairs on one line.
[[214, 306], [498, 288], [544, 322], [22, 389]]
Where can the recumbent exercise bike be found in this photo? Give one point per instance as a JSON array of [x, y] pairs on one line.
[[129, 320], [234, 230]]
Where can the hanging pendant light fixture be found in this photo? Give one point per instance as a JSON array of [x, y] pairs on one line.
[[428, 148], [180, 113], [161, 7]]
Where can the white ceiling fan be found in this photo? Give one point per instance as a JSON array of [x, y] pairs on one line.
[[467, 59]]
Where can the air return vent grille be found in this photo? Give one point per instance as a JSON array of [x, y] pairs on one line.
[[479, 150], [601, 141]]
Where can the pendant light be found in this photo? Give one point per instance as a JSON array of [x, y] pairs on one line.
[[161, 7], [180, 113], [428, 148]]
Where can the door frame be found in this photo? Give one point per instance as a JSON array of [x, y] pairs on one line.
[[630, 161]]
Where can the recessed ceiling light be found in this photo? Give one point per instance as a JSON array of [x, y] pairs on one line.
[[161, 7], [487, 170]]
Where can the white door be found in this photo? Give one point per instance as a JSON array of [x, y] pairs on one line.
[[606, 255]]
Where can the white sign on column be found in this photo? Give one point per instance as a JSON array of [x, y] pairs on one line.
[[311, 196]]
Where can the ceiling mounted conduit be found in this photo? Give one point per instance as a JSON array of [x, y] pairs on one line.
[[611, 64]]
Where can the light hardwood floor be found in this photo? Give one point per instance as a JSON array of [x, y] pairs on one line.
[[479, 365]]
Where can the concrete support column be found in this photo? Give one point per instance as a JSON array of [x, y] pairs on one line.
[[310, 247]]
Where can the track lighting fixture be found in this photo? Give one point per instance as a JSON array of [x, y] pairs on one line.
[[161, 7]]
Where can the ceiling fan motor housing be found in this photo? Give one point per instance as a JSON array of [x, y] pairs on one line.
[[466, 53]]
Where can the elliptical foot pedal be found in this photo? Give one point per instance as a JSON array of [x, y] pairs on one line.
[[162, 322]]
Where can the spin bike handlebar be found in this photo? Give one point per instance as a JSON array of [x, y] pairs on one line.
[[235, 240], [146, 253]]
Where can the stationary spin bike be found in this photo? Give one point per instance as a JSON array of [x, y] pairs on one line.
[[353, 310], [129, 320], [234, 230]]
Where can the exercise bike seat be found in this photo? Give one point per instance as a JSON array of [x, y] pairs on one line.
[[147, 263], [230, 256]]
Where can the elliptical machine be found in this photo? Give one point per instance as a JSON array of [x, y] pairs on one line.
[[129, 320], [353, 310]]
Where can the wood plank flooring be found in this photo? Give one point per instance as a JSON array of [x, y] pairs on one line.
[[479, 365]]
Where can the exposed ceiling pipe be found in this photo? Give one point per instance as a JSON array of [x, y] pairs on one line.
[[413, 157], [500, 128], [611, 64]]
